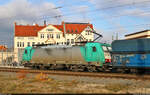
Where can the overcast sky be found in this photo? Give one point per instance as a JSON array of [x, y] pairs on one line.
[[108, 16]]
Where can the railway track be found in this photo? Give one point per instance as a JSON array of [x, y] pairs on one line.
[[83, 74]]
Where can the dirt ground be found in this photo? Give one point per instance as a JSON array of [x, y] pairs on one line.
[[22, 82]]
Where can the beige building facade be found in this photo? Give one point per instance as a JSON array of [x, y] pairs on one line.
[[53, 34], [137, 35]]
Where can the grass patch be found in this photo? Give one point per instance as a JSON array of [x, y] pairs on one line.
[[116, 87]]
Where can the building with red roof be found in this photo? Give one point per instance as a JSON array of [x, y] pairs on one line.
[[3, 48], [66, 33]]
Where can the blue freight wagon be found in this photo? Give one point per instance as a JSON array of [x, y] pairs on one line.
[[131, 54]]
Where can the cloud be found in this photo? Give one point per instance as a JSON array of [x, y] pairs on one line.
[[119, 7], [79, 14], [113, 12], [22, 12]]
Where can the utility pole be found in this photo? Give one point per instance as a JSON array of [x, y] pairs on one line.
[[7, 54], [112, 37], [2, 53], [65, 31], [117, 36]]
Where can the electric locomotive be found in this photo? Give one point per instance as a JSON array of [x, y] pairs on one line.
[[91, 56]]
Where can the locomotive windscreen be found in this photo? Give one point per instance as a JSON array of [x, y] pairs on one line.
[[136, 45]]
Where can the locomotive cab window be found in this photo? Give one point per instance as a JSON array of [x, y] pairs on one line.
[[94, 49], [104, 48], [109, 48], [25, 51]]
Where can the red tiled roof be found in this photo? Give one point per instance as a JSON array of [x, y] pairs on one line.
[[2, 48], [26, 30], [73, 28]]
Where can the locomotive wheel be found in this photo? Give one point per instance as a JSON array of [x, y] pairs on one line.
[[74, 68], [100, 69], [53, 67], [91, 69]]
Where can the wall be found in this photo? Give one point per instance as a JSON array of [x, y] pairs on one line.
[[139, 35]]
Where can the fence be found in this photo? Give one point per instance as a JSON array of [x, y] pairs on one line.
[[11, 57]]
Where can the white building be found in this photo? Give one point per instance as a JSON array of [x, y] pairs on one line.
[[66, 33], [138, 35]]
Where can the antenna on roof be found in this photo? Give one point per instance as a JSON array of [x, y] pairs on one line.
[[44, 22]]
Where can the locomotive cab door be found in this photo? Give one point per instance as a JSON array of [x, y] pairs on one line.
[[92, 53]]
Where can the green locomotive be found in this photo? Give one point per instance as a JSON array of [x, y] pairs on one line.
[[91, 56]]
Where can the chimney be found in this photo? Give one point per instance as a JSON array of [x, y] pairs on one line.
[[15, 23], [44, 22], [63, 22]]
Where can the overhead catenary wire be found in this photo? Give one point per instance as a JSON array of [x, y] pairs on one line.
[[101, 9]]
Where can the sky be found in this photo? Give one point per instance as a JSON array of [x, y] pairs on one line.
[[109, 17]]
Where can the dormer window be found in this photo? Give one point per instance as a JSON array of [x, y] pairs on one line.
[[76, 31], [68, 31]]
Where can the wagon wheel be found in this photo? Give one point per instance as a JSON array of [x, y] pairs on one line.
[[91, 68], [42, 67]]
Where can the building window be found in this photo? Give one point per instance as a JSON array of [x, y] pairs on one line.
[[50, 29], [72, 31], [48, 36], [38, 43], [51, 36], [42, 35], [88, 32], [33, 43], [68, 41], [22, 44], [68, 31], [72, 41], [18, 44], [58, 36], [76, 31], [28, 44]]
